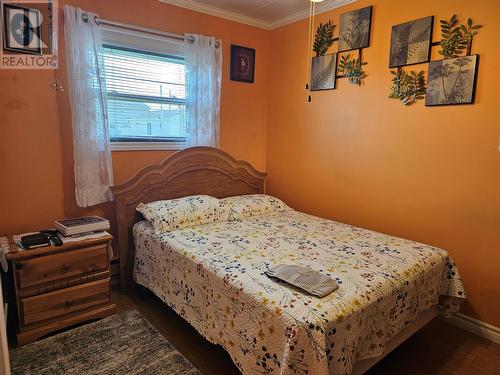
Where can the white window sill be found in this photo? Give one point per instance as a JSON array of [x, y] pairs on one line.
[[147, 146]]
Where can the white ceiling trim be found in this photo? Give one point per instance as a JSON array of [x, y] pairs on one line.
[[320, 8], [217, 12], [233, 16]]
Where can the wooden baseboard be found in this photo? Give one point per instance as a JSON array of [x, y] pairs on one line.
[[476, 327]]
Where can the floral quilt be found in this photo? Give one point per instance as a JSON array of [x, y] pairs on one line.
[[213, 276]]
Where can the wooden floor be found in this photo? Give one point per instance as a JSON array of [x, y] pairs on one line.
[[439, 348]]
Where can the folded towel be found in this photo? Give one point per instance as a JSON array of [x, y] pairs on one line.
[[304, 278]]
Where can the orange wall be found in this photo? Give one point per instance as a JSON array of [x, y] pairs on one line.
[[430, 174], [36, 154]]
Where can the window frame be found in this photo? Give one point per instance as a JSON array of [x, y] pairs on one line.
[[135, 41]]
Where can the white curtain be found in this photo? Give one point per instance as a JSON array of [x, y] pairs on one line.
[[87, 92], [203, 56]]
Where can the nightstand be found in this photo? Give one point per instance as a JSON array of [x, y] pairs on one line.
[[57, 287]]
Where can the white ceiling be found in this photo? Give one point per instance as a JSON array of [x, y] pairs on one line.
[[266, 14]]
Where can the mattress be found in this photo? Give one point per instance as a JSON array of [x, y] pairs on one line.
[[213, 276]]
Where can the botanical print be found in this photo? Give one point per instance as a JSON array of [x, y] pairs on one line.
[[242, 206], [213, 276], [355, 29], [178, 213], [165, 215], [451, 81], [410, 42], [323, 71]]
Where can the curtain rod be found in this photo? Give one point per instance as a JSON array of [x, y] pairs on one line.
[[100, 21]]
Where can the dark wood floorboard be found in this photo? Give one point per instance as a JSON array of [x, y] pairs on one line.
[[437, 349]]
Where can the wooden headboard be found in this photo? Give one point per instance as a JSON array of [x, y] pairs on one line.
[[196, 170]]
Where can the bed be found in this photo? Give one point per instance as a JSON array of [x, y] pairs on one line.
[[213, 274]]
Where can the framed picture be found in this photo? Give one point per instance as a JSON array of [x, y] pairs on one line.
[[323, 72], [354, 30], [411, 42], [21, 29], [452, 81], [242, 64]]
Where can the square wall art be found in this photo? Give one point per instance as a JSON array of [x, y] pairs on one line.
[[411, 42], [355, 29], [452, 81], [323, 71], [242, 64]]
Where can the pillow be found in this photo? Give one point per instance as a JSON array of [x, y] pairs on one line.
[[180, 213], [242, 206]]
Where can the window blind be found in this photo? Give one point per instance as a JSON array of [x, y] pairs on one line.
[[146, 95]]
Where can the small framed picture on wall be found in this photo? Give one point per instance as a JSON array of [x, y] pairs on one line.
[[242, 64], [21, 29]]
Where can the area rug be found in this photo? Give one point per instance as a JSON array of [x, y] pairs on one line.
[[124, 344]]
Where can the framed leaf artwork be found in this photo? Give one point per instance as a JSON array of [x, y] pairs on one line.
[[411, 42], [323, 72], [354, 32], [452, 81]]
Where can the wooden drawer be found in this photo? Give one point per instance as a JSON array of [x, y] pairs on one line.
[[70, 264], [65, 301]]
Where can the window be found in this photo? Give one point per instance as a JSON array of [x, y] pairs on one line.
[[146, 96]]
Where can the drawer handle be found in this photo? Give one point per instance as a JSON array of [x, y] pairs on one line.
[[66, 267], [69, 302]]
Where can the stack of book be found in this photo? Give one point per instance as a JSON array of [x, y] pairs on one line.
[[67, 230], [82, 226]]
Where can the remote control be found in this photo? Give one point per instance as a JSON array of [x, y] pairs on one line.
[[49, 232], [56, 240]]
